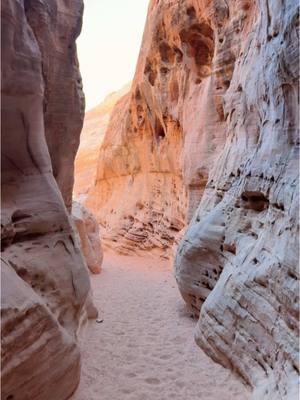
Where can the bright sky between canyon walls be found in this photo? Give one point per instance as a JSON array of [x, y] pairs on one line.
[[109, 44]]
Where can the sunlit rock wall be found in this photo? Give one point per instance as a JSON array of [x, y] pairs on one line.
[[91, 137], [45, 283], [209, 135], [154, 160]]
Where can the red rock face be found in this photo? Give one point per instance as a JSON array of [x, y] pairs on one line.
[[149, 155], [163, 138], [209, 134], [94, 127], [45, 283]]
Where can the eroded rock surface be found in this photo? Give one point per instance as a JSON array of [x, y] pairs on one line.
[[55, 25], [237, 264], [212, 119], [91, 137], [45, 283], [139, 196], [164, 136], [88, 229]]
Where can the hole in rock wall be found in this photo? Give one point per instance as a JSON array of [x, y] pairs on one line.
[[166, 52], [19, 215], [198, 42], [179, 54], [159, 131], [164, 71], [256, 201], [150, 72], [191, 12]]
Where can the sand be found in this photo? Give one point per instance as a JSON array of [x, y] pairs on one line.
[[144, 348]]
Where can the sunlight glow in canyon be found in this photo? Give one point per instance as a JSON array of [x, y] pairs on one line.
[[109, 44]]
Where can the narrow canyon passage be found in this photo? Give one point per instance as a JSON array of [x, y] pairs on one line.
[[197, 157], [144, 348]]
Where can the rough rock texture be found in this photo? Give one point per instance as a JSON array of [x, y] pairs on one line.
[[45, 283], [94, 127], [237, 263], [212, 117], [63, 100], [139, 197], [164, 136], [89, 234]]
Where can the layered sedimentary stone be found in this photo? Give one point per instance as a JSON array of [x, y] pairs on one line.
[[93, 130], [55, 25], [45, 284], [237, 263], [212, 119], [158, 146], [89, 234]]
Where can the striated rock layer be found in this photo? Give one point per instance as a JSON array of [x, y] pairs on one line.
[[93, 130], [139, 197], [212, 119], [163, 137], [45, 284], [159, 143], [63, 103], [237, 265]]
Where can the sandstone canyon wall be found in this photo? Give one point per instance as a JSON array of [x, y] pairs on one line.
[[45, 284], [163, 137], [93, 130], [55, 26], [139, 196], [209, 135], [238, 262]]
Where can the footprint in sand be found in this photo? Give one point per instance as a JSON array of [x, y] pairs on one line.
[[130, 374], [152, 381], [180, 384], [127, 391], [165, 356]]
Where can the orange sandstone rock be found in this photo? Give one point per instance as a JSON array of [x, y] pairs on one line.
[[94, 126], [209, 135]]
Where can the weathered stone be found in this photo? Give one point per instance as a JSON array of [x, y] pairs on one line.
[[212, 119], [237, 263], [55, 25], [89, 234], [94, 127], [45, 283]]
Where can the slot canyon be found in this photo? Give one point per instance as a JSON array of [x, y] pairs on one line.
[[150, 244]]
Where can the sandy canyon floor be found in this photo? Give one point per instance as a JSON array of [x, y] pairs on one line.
[[144, 348]]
